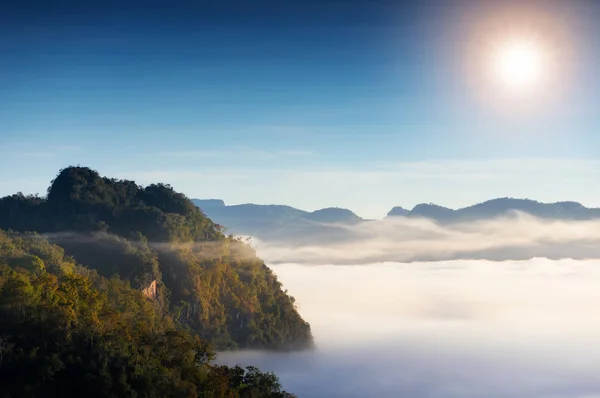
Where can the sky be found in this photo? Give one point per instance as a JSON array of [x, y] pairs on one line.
[[358, 104]]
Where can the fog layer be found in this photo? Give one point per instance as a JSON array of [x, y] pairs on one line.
[[517, 236], [526, 329]]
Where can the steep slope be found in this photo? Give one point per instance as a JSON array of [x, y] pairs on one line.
[[155, 237], [66, 331]]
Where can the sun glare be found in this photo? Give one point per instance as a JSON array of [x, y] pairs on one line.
[[519, 65], [519, 60]]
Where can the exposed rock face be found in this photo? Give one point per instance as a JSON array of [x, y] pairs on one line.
[[150, 291]]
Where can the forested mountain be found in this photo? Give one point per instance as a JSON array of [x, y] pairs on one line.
[[66, 331], [161, 243]]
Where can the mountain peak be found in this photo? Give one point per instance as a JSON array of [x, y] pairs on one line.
[[431, 210], [398, 211], [333, 214]]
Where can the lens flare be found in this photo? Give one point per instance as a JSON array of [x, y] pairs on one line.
[[519, 65], [518, 59]]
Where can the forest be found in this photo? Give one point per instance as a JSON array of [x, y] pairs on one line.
[[108, 288]]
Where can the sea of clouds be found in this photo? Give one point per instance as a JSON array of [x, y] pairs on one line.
[[444, 312], [515, 236]]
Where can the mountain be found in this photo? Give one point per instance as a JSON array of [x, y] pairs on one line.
[[285, 224], [65, 330], [279, 222], [159, 242], [333, 215], [398, 211], [502, 206], [430, 210], [208, 203]]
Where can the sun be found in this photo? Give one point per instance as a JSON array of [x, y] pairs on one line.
[[519, 65], [517, 58]]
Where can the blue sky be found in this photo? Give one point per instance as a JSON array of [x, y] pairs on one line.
[[359, 104]]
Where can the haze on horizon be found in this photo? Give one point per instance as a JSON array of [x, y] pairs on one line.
[[357, 104], [420, 309]]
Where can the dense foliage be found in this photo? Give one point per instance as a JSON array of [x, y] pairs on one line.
[[207, 282], [66, 331]]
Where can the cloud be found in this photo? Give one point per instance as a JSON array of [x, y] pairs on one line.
[[513, 237], [451, 329], [209, 250]]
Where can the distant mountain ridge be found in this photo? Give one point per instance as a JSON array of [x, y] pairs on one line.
[[272, 222], [206, 203], [277, 222], [502, 206]]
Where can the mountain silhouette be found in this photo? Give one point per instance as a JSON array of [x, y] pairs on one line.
[[281, 222], [503, 206]]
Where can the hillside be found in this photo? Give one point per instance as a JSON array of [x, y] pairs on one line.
[[66, 331], [160, 242]]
